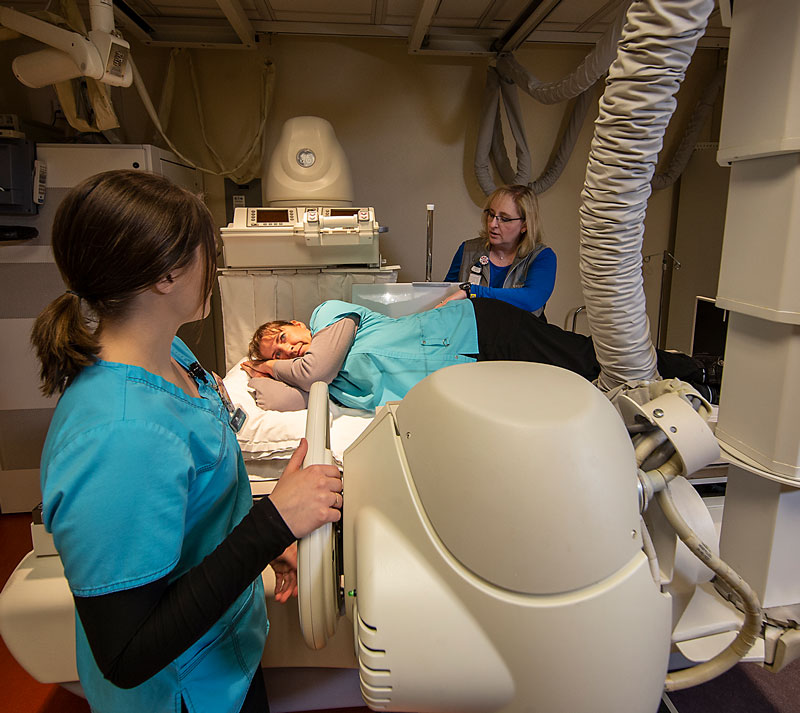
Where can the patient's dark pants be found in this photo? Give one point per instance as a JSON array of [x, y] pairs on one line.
[[507, 333]]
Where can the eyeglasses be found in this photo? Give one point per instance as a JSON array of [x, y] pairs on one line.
[[491, 215]]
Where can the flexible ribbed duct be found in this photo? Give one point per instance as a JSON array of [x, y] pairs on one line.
[[503, 79], [510, 98], [489, 112], [555, 168], [577, 82], [488, 130], [656, 46], [700, 115], [559, 162]]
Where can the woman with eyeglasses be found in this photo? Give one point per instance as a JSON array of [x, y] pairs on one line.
[[508, 261]]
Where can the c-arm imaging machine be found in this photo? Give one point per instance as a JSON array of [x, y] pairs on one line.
[[507, 543], [508, 537]]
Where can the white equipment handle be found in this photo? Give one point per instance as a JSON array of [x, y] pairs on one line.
[[316, 571]]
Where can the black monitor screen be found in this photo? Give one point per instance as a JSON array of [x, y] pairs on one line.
[[710, 329], [272, 216], [339, 212]]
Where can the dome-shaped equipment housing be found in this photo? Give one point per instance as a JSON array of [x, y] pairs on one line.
[[308, 166], [527, 457]]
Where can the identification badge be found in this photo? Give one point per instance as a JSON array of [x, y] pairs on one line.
[[237, 419], [475, 272], [236, 415]]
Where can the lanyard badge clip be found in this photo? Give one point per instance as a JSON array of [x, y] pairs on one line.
[[476, 270], [236, 415]]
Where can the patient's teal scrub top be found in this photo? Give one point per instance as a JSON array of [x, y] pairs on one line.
[[390, 355], [140, 480]]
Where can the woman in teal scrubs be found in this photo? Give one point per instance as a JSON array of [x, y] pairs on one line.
[[144, 487]]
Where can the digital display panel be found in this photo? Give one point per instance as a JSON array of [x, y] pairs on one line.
[[342, 212], [272, 215]]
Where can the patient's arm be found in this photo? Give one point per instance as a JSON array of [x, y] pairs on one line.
[[271, 395], [324, 357]]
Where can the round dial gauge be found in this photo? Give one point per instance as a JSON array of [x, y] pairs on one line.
[[306, 158]]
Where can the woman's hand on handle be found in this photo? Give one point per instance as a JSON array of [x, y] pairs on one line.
[[309, 497], [285, 568]]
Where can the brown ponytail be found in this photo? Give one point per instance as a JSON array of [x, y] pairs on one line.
[[63, 342], [114, 235]]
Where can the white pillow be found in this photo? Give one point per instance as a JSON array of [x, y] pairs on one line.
[[275, 434], [265, 434]]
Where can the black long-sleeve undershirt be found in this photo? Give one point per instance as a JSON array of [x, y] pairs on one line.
[[135, 633]]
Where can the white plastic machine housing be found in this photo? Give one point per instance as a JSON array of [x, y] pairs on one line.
[[301, 236], [308, 164], [759, 275], [758, 285], [482, 578]]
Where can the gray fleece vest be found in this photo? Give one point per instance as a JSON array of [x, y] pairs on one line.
[[515, 277]]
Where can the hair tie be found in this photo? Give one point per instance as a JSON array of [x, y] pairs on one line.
[[72, 292]]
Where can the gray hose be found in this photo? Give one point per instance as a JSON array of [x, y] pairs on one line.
[[510, 97], [501, 79], [489, 114], [556, 167], [646, 444], [699, 116], [577, 82], [650, 552], [751, 627], [499, 156]]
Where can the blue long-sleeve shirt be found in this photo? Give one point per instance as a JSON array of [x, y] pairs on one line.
[[539, 282]]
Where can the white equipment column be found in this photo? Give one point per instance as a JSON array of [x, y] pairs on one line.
[[760, 285]]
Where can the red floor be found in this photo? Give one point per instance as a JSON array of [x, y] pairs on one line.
[[20, 692]]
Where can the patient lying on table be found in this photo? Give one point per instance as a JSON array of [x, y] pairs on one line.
[[367, 358], [288, 388]]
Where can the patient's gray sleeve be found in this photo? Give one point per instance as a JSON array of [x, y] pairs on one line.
[[324, 357], [272, 395]]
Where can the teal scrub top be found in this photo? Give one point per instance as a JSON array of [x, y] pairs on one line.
[[140, 480], [391, 354]]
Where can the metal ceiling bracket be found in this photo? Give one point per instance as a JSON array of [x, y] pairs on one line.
[[239, 21], [525, 23], [422, 25]]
